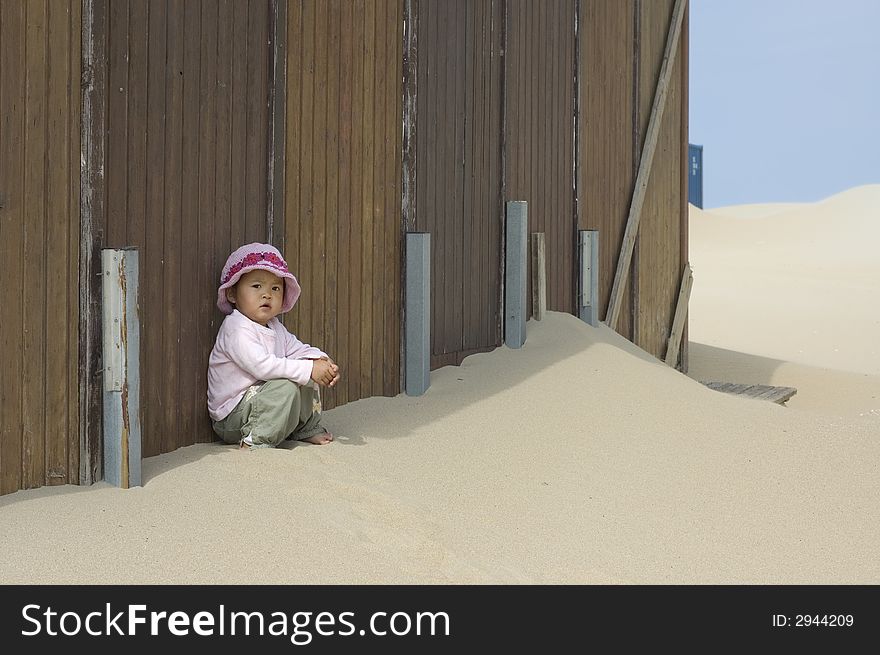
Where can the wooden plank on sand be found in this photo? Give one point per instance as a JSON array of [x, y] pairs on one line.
[[756, 391]]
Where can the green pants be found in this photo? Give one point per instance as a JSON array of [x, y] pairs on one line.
[[278, 410]]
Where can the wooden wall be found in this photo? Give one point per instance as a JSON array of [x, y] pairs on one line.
[[186, 181], [183, 158], [39, 243], [343, 226], [458, 175], [539, 83]]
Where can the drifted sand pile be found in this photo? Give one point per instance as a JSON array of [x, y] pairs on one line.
[[577, 459]]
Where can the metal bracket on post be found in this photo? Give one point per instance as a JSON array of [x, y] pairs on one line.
[[515, 273], [588, 293], [122, 423], [418, 313]]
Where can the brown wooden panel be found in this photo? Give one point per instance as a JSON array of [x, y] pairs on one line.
[[59, 142], [342, 187], [238, 137], [605, 133], [211, 152], [188, 369], [393, 211], [458, 179], [74, 158], [171, 308], [186, 180], [660, 265], [152, 270], [34, 249], [12, 187], [39, 243], [256, 102], [539, 134], [328, 302]]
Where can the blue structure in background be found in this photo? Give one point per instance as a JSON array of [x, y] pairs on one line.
[[695, 175]]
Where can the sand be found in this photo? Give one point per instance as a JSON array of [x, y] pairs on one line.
[[576, 459]]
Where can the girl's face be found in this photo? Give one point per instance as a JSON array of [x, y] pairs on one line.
[[258, 295]]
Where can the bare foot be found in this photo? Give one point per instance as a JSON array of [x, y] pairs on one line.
[[320, 439]]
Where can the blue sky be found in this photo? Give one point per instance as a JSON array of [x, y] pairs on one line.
[[784, 98]]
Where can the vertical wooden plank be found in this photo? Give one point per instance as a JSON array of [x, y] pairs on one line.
[[328, 311], [424, 129], [153, 266], [317, 229], [117, 125], [357, 343], [34, 281], [223, 214], [495, 170], [12, 132], [439, 265], [76, 119], [394, 222], [496, 132], [480, 170], [553, 152], [92, 223], [254, 175], [278, 27], [239, 166], [470, 260], [562, 127], [570, 75], [57, 403], [630, 301], [539, 130], [207, 216], [474, 217], [456, 297], [560, 138], [366, 207], [137, 174], [305, 244], [171, 306], [293, 138], [380, 77], [543, 132], [345, 325], [188, 328], [250, 156]]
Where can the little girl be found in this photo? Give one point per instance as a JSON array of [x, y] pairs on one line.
[[261, 378]]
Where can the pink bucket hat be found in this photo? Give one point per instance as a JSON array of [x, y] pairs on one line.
[[254, 256]]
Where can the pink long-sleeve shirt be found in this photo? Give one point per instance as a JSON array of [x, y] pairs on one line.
[[246, 353]]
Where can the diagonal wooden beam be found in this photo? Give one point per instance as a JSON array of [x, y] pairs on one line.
[[638, 200], [681, 307]]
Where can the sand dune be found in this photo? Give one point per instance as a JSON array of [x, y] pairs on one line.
[[577, 459], [801, 285]]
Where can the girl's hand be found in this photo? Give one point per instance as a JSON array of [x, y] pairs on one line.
[[334, 369], [322, 372]]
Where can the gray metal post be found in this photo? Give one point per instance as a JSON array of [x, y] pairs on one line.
[[588, 293], [515, 273], [418, 313], [122, 421]]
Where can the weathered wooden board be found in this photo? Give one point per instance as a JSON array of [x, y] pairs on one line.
[[758, 391]]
